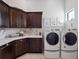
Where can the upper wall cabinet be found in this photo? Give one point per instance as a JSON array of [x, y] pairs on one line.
[[34, 19], [18, 19], [13, 18], [4, 15], [21, 19]]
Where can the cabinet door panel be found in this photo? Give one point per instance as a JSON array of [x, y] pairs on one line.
[[25, 45], [6, 52], [18, 18], [24, 20], [34, 20], [13, 18], [21, 47], [18, 48], [4, 15], [36, 45]]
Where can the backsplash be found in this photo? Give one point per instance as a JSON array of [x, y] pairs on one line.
[[30, 31]]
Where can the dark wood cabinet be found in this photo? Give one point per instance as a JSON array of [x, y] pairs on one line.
[[18, 19], [34, 20], [21, 46], [4, 15], [13, 18], [25, 46], [6, 52], [21, 19], [29, 45], [36, 45]]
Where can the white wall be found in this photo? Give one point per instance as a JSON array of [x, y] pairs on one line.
[[26, 5], [54, 9], [51, 8], [69, 4]]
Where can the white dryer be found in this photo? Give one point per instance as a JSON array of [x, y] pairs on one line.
[[52, 42], [69, 43]]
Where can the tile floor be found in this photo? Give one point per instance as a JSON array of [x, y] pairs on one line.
[[32, 56]]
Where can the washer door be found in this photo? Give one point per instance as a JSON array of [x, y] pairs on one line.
[[70, 38], [52, 38]]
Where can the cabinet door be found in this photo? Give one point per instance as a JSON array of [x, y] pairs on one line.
[[24, 20], [21, 47], [18, 48], [4, 15], [13, 18], [18, 18], [36, 45], [34, 19], [6, 52], [21, 19], [25, 45]]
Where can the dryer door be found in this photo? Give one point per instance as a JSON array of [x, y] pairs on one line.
[[70, 38], [52, 38]]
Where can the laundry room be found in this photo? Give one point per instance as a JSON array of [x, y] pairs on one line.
[[38, 29]]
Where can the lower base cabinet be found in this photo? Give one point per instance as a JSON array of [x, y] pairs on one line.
[[29, 45], [36, 45], [6, 52], [19, 47]]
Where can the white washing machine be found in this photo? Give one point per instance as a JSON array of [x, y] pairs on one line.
[[52, 42], [69, 44]]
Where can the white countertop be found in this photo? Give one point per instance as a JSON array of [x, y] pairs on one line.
[[7, 40]]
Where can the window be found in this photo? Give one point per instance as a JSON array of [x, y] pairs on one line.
[[70, 15]]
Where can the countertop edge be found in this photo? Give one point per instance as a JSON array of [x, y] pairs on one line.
[[8, 40]]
